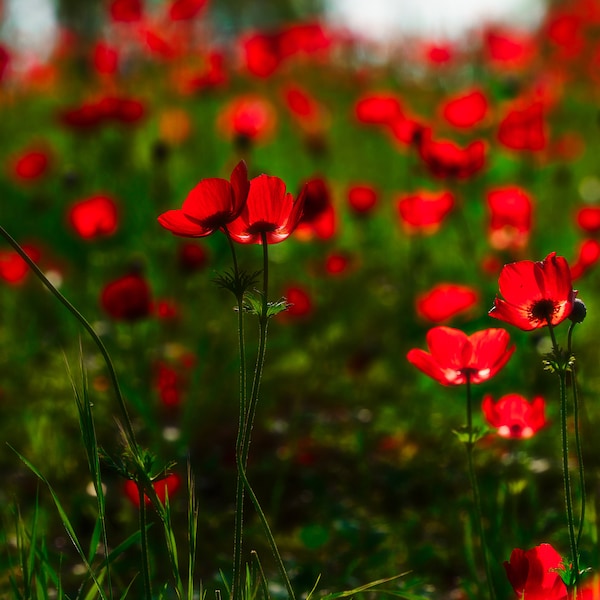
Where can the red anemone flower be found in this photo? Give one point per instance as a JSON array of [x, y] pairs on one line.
[[249, 117], [13, 269], [534, 573], [105, 58], [337, 263], [170, 484], [456, 357], [446, 300], [378, 109], [181, 10], [126, 11], [211, 205], [510, 218], [508, 48], [31, 164], [300, 302], [513, 416], [269, 211], [127, 298], [362, 198], [94, 217], [465, 110], [588, 219], [318, 216], [535, 293], [587, 256], [524, 129], [424, 211]]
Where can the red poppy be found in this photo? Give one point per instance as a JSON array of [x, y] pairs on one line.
[[249, 117], [170, 484], [305, 38], [94, 217], [13, 269], [318, 216], [262, 53], [510, 218], [508, 49], [535, 293], [513, 416], [362, 198], [192, 257], [105, 58], [445, 159], [466, 109], [588, 218], [378, 109], [30, 164], [127, 298], [126, 10], [437, 54], [301, 304], [210, 206], [534, 575], [445, 300], [588, 255], [406, 130], [270, 210], [160, 44], [565, 31], [306, 110], [524, 129], [337, 263], [181, 10], [456, 357], [424, 211]]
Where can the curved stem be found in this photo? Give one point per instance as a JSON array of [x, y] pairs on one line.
[[475, 489], [109, 365]]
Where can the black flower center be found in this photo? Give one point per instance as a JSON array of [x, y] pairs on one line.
[[542, 310]]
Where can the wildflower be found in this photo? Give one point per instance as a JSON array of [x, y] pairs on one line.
[[588, 255], [127, 298], [508, 49], [456, 357], [588, 219], [300, 302], [337, 263], [94, 217], [105, 58], [126, 11], [250, 118], [192, 257], [210, 206], [269, 210], [465, 110], [318, 216], [535, 293], [445, 300], [13, 269], [169, 484], [524, 129], [513, 416], [534, 573], [378, 109], [510, 211], [362, 198], [31, 164], [424, 211], [182, 10]]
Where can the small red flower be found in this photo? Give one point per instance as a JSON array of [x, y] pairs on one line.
[[508, 49], [126, 11], [510, 218], [524, 129], [534, 575], [31, 164], [466, 109], [424, 211], [438, 54], [13, 269], [270, 210], [94, 217], [105, 58], [588, 219], [318, 216], [378, 109], [456, 357], [588, 255], [301, 304], [211, 205], [362, 198], [4, 61], [445, 159], [446, 300], [337, 263], [127, 298], [262, 53], [182, 10], [170, 484], [513, 416], [535, 293], [192, 257], [248, 117]]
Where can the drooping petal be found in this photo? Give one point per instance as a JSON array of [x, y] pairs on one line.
[[426, 363], [176, 222]]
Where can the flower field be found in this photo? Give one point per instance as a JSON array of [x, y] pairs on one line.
[[286, 312]]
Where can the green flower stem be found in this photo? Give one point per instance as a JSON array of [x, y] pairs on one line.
[[111, 370], [475, 489], [144, 540], [562, 376]]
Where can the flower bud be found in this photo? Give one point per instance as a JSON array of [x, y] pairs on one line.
[[579, 311]]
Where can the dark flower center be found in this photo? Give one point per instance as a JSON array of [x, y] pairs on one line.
[[262, 227], [216, 220], [516, 430], [542, 310]]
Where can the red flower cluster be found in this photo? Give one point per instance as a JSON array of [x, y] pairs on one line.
[[110, 109], [513, 416], [455, 357]]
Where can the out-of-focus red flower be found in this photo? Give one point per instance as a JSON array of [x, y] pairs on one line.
[[300, 302], [94, 217], [534, 573], [105, 58], [318, 216], [524, 129], [510, 218], [508, 48], [251, 117], [270, 210], [305, 109], [213, 75], [126, 11], [588, 218], [192, 257], [182, 10], [305, 38], [378, 109], [127, 298], [564, 29], [169, 384], [455, 357], [535, 293], [170, 484], [587, 256], [13, 269], [513, 416], [438, 54], [445, 300], [30, 164], [165, 309], [446, 160], [213, 204], [4, 61], [466, 109], [160, 43], [337, 263], [362, 199], [406, 130], [424, 211], [262, 53], [107, 109]]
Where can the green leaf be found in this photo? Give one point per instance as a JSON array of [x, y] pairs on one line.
[[370, 586]]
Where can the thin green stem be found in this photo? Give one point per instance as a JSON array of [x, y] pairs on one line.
[[144, 540], [109, 365], [475, 489]]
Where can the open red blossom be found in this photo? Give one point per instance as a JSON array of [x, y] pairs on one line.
[[535, 293], [534, 575], [170, 484], [269, 211], [13, 269], [455, 357], [445, 159], [318, 216], [424, 211], [378, 109], [510, 212], [446, 300], [513, 416], [587, 256], [362, 198], [30, 164], [127, 298], [524, 129], [94, 217], [126, 10], [588, 218], [210, 206], [466, 109]]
